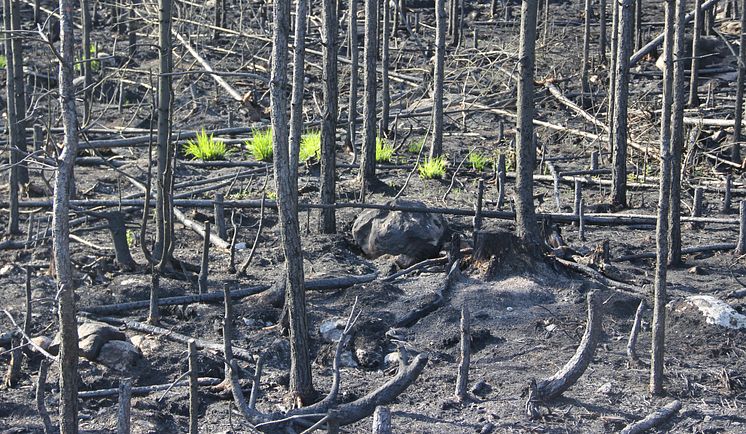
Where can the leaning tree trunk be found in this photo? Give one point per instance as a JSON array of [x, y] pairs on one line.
[[677, 137], [329, 119], [368, 163], [621, 92], [436, 146], [13, 127], [385, 87], [68, 353], [737, 130], [696, 38], [300, 365], [525, 151], [164, 180], [296, 98], [659, 309], [352, 108]]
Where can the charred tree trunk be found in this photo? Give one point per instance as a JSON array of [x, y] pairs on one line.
[[68, 353], [352, 107], [328, 220], [525, 149], [85, 17], [368, 163], [385, 87], [677, 136], [585, 98], [164, 179], [436, 146], [696, 37], [612, 72], [296, 98], [13, 126], [300, 365], [740, 82], [621, 90], [602, 31], [659, 308], [20, 90]]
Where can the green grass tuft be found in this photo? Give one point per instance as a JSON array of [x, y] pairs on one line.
[[260, 144], [384, 151], [3, 61], [432, 168], [416, 146], [478, 161], [310, 146], [205, 148]]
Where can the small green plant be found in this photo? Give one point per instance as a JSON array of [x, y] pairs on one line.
[[478, 161], [205, 147], [416, 146], [272, 195], [432, 168], [95, 64], [384, 151], [3, 61], [260, 144], [130, 238], [310, 146]]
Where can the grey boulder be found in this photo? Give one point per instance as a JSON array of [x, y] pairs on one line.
[[409, 236]]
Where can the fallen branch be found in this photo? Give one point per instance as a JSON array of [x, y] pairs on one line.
[[653, 419], [590, 272], [224, 84], [632, 342], [417, 314], [240, 353], [145, 390], [550, 388], [687, 250]]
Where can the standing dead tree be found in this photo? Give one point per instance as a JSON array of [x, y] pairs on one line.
[[525, 151], [621, 92], [354, 52], [659, 306], [735, 152], [68, 352], [15, 131], [368, 163], [296, 98], [696, 38], [677, 135], [300, 365], [328, 221], [164, 179], [436, 145]]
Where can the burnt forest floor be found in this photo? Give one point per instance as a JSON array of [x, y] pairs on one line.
[[526, 323]]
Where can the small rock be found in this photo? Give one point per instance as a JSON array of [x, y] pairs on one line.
[[481, 388], [509, 309], [93, 335], [346, 360], [391, 359], [605, 389], [121, 356], [240, 246], [699, 271], [331, 330], [487, 428], [41, 341], [146, 344], [551, 327], [7, 270]]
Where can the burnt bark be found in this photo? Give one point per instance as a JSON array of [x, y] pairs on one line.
[[328, 221], [436, 145], [525, 149], [677, 136], [368, 163], [621, 92]]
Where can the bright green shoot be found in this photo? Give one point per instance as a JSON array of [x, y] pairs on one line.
[[310, 146], [3, 61], [478, 161], [260, 144], [384, 151], [432, 168], [205, 147]]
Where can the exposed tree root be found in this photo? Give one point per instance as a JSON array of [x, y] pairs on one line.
[[556, 385]]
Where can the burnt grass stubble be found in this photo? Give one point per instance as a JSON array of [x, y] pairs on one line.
[[510, 311]]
